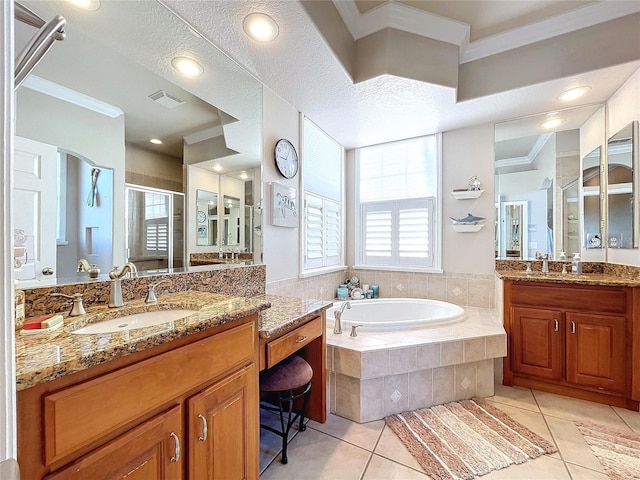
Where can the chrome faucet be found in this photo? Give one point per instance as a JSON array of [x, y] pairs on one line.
[[115, 293], [545, 261], [92, 269], [151, 294], [77, 308], [337, 325]]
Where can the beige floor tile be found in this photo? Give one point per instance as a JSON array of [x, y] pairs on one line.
[[542, 468], [314, 455], [381, 468], [572, 445], [631, 418], [580, 473], [534, 421], [515, 396], [391, 447], [364, 435], [576, 409]]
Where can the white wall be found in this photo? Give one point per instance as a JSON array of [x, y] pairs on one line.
[[467, 152], [622, 108], [281, 244]]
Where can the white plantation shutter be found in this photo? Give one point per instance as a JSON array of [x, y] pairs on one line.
[[398, 232], [323, 232]]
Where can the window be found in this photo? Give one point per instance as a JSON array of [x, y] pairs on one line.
[[323, 186], [156, 218], [398, 190]]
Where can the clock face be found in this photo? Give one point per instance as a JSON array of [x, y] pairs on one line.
[[286, 158], [201, 216]]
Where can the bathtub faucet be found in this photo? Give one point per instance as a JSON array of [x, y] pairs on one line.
[[337, 325]]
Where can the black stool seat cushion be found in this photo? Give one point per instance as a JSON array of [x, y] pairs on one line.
[[289, 374]]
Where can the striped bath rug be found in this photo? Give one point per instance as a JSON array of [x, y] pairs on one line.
[[617, 451], [461, 440]]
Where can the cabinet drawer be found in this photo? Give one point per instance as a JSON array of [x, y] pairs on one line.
[[282, 347], [79, 416], [598, 298]]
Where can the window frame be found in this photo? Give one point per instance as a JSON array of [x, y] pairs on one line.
[[360, 261], [305, 270]]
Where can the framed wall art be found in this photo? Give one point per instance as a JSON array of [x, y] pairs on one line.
[[284, 206]]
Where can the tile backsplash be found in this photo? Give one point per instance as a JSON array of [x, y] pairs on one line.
[[459, 288], [246, 281]]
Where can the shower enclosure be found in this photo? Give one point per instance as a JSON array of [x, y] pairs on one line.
[[155, 228]]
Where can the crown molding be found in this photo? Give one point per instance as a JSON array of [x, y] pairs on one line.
[[423, 23], [529, 158]]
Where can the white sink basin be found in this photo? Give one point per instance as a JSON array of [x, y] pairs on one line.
[[136, 320]]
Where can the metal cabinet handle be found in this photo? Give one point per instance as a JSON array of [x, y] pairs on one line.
[[301, 339], [205, 428], [573, 327], [176, 456], [555, 324]]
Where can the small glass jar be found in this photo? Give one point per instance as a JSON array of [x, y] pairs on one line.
[[343, 292], [374, 289]]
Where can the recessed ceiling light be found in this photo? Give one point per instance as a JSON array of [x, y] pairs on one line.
[[85, 4], [260, 27], [552, 123], [573, 93], [217, 168], [187, 66], [156, 141], [244, 176]]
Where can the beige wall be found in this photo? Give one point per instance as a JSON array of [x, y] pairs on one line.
[[281, 244], [152, 169]]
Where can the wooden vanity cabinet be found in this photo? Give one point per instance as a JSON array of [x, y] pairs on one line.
[[187, 409], [574, 340]]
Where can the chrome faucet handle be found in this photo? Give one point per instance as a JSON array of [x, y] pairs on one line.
[[564, 268], [77, 308], [353, 330], [528, 265], [151, 293]]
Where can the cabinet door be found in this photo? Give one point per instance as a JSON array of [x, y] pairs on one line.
[[537, 342], [151, 451], [224, 429], [596, 353]]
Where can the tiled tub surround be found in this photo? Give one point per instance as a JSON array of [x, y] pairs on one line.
[[459, 288], [41, 358], [241, 281], [380, 373]]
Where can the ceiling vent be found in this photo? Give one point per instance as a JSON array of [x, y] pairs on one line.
[[166, 99]]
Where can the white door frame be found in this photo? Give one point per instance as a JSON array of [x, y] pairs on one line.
[[8, 448]]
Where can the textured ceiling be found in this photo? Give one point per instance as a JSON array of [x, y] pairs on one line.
[[301, 68]]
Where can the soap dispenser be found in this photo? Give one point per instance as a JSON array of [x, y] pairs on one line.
[[576, 264]]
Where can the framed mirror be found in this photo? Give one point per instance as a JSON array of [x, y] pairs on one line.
[[206, 212], [538, 164], [591, 181], [622, 188]]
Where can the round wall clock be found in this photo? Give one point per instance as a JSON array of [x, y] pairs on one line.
[[286, 158], [201, 216]]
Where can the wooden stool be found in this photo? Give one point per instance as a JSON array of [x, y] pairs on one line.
[[280, 386]]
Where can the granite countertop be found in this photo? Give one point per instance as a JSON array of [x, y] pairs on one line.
[[41, 358], [286, 312], [569, 278]]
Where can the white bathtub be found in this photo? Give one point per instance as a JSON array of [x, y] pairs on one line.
[[396, 314]]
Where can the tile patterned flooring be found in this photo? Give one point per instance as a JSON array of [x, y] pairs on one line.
[[345, 450]]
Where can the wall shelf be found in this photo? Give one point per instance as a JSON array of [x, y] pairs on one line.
[[466, 194], [461, 228]]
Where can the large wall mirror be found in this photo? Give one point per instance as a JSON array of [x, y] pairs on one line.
[[622, 188], [545, 183], [100, 96]]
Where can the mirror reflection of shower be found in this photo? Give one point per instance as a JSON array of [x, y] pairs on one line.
[[155, 228]]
